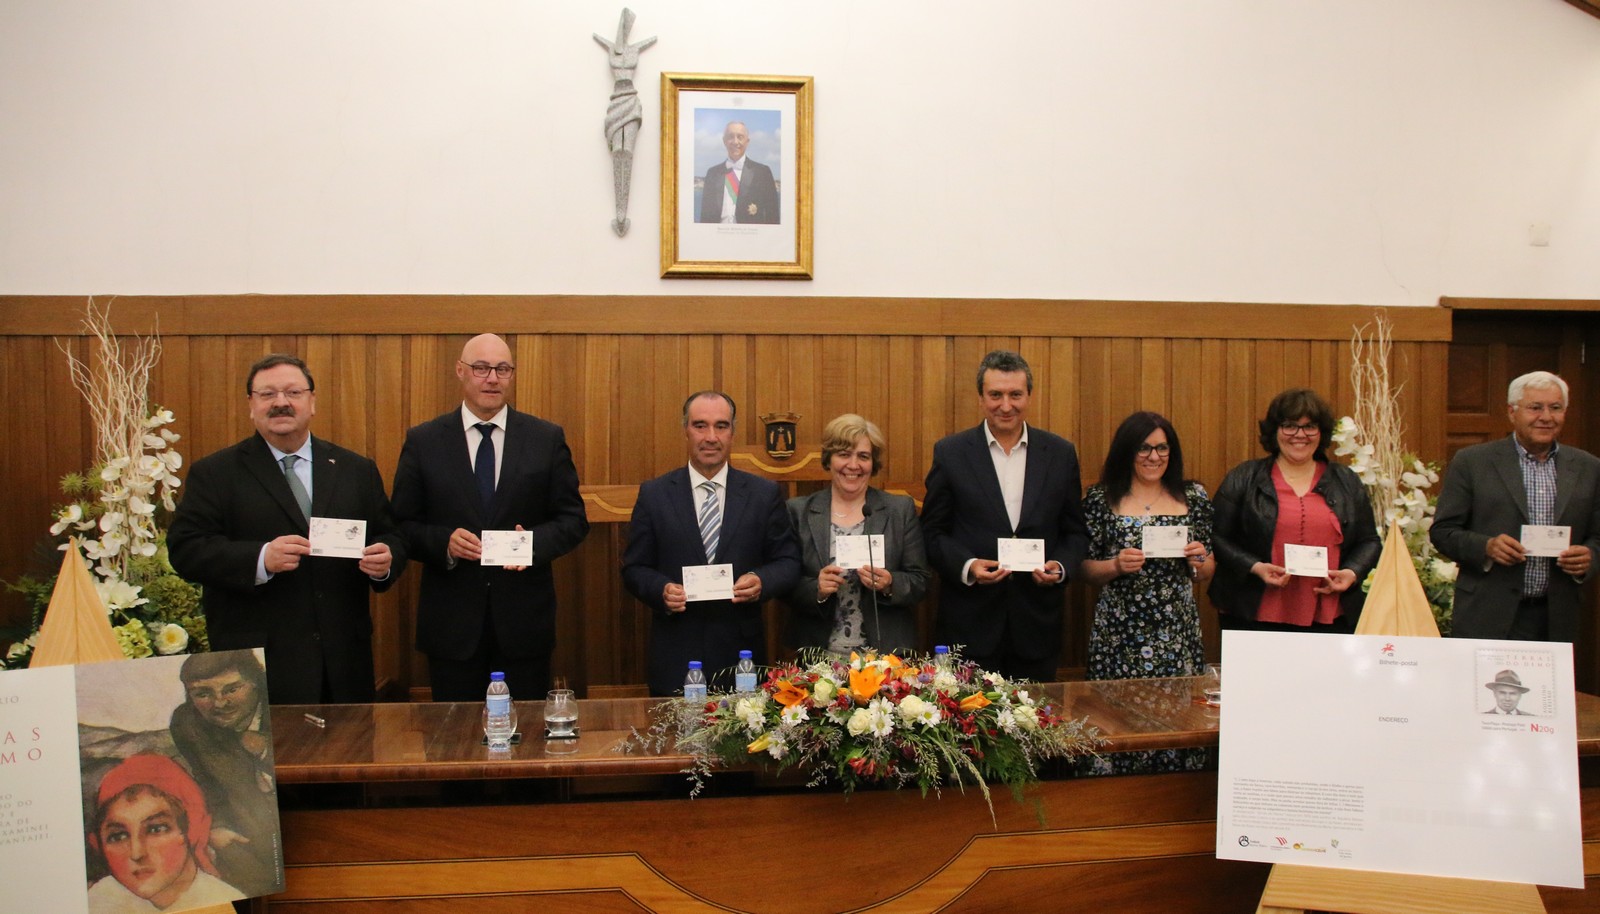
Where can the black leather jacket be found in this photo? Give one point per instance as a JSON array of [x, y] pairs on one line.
[[1247, 515]]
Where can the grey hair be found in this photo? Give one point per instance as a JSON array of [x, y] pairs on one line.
[[1535, 379]]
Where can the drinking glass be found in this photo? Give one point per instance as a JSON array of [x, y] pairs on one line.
[[1211, 684], [560, 714]]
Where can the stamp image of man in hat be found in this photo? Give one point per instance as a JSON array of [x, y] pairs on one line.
[[1508, 691]]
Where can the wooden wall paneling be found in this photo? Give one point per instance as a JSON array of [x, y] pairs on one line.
[[386, 380], [1155, 375], [1333, 372], [1184, 379], [768, 377], [1245, 404], [1067, 394], [1271, 376], [1090, 427], [40, 456], [934, 395], [902, 381]]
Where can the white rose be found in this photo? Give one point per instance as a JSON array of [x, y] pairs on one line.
[[1027, 717], [171, 639], [823, 692], [1446, 571], [911, 707], [860, 722]]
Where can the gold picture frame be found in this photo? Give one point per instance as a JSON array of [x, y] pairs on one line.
[[768, 233]]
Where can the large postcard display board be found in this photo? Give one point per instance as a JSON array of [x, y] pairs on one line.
[[1430, 756], [124, 787]]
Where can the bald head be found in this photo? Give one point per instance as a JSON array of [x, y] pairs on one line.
[[489, 356]]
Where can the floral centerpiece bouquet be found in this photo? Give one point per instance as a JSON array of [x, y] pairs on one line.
[[114, 512], [1397, 482], [877, 719]]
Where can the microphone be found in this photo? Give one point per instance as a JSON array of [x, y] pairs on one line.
[[866, 512]]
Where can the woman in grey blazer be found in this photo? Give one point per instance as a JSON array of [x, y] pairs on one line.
[[833, 607]]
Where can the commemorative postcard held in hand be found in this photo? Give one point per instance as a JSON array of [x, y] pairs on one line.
[[1436, 757], [338, 537], [140, 784], [858, 551]]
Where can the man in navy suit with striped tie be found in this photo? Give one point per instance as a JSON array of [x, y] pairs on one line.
[[486, 466], [707, 513]]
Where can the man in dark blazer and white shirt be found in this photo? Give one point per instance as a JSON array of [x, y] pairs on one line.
[[1004, 479], [241, 532], [486, 466], [1490, 491], [750, 531]]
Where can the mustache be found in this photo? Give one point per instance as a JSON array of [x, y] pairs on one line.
[[284, 410]]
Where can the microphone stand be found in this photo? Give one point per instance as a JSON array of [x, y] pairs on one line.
[[866, 512]]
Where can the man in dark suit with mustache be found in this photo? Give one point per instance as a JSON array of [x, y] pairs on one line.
[[241, 531]]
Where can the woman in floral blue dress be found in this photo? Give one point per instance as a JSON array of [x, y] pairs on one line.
[[1146, 624]]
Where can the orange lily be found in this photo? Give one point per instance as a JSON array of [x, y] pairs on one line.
[[788, 694], [975, 701], [865, 683]]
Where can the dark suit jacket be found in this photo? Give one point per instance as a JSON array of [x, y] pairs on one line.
[[962, 516], [893, 516], [757, 190], [1483, 497], [313, 621], [664, 536], [435, 492]]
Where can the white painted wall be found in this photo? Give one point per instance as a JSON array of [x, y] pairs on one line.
[[1324, 151]]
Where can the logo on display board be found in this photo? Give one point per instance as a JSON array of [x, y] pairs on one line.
[[1388, 649]]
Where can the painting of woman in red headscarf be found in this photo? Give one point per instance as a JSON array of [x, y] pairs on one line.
[[152, 829]]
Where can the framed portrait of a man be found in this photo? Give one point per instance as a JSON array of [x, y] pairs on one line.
[[735, 176]]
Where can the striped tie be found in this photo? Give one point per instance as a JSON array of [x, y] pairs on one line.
[[710, 520]]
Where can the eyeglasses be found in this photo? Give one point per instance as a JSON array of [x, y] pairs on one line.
[[1291, 430], [1160, 450], [267, 395], [1540, 409], [482, 369]]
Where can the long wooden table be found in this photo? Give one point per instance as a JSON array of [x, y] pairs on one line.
[[582, 826]]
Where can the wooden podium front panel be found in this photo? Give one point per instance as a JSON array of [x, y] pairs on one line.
[[1105, 844]]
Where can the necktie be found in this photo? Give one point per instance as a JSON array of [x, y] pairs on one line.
[[710, 520], [296, 488], [483, 468]]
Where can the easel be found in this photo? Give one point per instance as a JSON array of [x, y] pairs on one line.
[[1396, 605], [76, 630]]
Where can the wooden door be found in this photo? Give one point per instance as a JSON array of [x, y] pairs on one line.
[[1489, 348]]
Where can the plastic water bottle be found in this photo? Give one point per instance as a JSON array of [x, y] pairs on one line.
[[499, 717], [694, 684], [941, 656], [744, 673]]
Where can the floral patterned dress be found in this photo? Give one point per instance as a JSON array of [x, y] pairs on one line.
[[1146, 625]]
